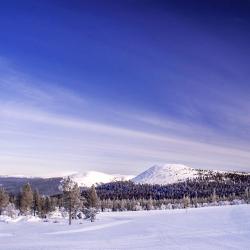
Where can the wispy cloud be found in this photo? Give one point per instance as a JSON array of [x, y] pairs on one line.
[[47, 127]]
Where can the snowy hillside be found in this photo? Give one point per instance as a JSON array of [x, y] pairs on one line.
[[93, 177], [173, 173], [166, 174]]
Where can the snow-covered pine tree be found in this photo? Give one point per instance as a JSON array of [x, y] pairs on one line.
[[26, 199], [149, 204], [186, 201], [122, 205], [247, 194], [214, 196], [195, 200], [109, 204], [71, 196], [37, 206], [115, 205], [4, 199], [11, 211], [47, 205], [92, 197], [93, 203]]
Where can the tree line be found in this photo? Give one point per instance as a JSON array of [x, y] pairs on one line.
[[30, 202], [219, 189], [225, 185]]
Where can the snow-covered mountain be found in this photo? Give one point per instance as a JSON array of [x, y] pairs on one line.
[[49, 186], [162, 175], [93, 177], [166, 174]]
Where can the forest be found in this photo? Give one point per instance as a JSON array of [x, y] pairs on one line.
[[77, 202]]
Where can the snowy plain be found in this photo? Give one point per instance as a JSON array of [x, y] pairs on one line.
[[225, 227]]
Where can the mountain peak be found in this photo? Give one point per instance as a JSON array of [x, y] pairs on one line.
[[166, 174]]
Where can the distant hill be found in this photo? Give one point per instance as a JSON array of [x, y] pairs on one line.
[[93, 177], [46, 186], [174, 173], [167, 174], [49, 186]]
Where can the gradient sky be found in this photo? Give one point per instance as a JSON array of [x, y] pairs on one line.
[[118, 86]]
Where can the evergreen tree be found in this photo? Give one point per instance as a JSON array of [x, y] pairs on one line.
[[186, 201], [10, 210], [4, 199], [247, 194], [71, 196], [195, 200], [37, 203], [122, 205], [92, 197], [115, 205], [26, 200], [45, 206], [214, 196], [149, 204]]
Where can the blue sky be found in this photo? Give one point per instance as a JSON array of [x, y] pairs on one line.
[[118, 86]]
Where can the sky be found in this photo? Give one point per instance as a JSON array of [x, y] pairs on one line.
[[119, 86]]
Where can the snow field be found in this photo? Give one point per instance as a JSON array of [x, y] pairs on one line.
[[197, 228]]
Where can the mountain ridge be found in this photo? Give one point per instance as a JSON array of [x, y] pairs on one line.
[[157, 174]]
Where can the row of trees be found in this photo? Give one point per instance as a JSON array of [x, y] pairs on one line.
[[89, 203], [124, 196], [150, 204], [31, 202], [28, 201], [226, 185]]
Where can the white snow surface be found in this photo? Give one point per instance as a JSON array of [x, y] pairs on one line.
[[166, 174], [29, 218], [210, 228], [94, 177]]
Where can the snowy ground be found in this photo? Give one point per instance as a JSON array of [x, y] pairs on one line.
[[202, 228]]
